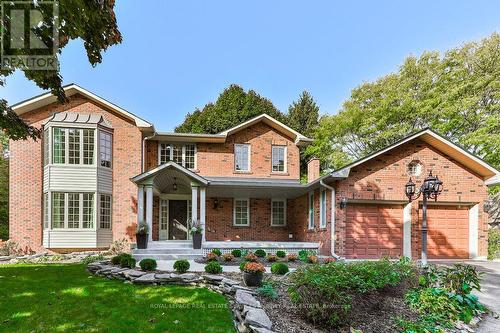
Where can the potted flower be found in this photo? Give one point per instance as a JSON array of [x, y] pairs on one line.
[[196, 231], [253, 273], [142, 235]]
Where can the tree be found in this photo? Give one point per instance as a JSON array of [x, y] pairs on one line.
[[456, 94], [92, 21], [303, 114], [233, 106]]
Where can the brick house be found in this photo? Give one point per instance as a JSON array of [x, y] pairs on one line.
[[99, 170]]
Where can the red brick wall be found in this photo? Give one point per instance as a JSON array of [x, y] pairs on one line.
[[25, 204]]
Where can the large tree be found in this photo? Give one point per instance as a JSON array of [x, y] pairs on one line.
[[92, 21], [457, 94], [233, 106], [303, 114]]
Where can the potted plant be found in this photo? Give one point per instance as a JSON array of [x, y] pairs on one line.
[[141, 236], [253, 273], [196, 231]]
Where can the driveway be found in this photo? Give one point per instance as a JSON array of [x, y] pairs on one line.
[[489, 294]]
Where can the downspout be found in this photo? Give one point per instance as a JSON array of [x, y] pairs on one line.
[[143, 155], [332, 227]]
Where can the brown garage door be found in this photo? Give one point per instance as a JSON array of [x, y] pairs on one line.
[[374, 231], [448, 232]]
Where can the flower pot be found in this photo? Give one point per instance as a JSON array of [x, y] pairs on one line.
[[196, 241], [142, 241], [253, 279]]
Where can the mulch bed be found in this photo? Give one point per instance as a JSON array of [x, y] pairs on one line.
[[263, 261]]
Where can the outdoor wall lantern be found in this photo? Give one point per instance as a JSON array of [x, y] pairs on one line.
[[430, 189], [216, 203], [343, 203]]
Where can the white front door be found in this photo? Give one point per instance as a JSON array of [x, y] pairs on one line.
[[164, 225]]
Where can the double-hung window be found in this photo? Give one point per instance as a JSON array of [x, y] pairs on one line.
[[106, 148], [71, 146], [184, 155], [105, 211], [278, 213], [322, 208], [279, 158], [241, 212], [242, 157], [71, 210], [311, 210]]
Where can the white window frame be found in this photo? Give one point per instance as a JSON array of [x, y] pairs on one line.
[[101, 132], [66, 130], [110, 211], [249, 157], [285, 158], [273, 224], [310, 210], [248, 212], [322, 210], [50, 223], [171, 153]]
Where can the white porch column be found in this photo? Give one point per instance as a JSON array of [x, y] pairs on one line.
[[140, 204], [407, 230], [202, 212], [149, 211], [194, 203], [473, 231]]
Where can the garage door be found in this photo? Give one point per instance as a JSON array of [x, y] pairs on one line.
[[374, 231], [448, 232]]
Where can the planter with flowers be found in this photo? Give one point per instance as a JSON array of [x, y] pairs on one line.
[[196, 234], [141, 235], [253, 273]]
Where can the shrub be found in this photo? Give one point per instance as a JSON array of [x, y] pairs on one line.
[[236, 253], [329, 260], [242, 265], [292, 257], [251, 257], [227, 257], [212, 256], [493, 244], [116, 260], [217, 252], [148, 264], [91, 259], [181, 266], [281, 254], [213, 267], [267, 290], [312, 259], [304, 254], [9, 248], [279, 268], [118, 246], [127, 262], [260, 253], [254, 268], [459, 279], [325, 292], [272, 258]]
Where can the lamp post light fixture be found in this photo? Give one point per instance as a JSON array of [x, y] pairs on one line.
[[430, 189]]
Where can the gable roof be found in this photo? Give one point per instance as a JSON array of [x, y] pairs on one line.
[[439, 142], [70, 90], [169, 165]]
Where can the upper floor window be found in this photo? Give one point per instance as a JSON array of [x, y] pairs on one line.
[[46, 147], [242, 157], [69, 145], [106, 148], [279, 158], [184, 155]]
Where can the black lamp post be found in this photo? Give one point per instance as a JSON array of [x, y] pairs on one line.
[[430, 189]]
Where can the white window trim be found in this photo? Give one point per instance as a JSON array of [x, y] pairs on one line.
[[284, 213], [81, 150], [98, 222], [322, 210], [249, 157], [66, 212], [310, 217], [99, 150], [248, 212], [171, 157], [285, 167]]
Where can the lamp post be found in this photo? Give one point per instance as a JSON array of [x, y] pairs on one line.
[[430, 189]]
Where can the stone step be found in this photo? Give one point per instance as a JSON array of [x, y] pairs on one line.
[[170, 256], [170, 245], [167, 251]]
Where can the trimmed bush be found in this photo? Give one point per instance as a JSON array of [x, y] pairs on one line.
[[260, 253], [213, 267], [217, 252], [281, 254], [236, 253], [312, 259], [227, 257], [251, 257], [212, 256], [116, 260], [279, 268], [272, 258], [292, 257], [127, 262], [148, 264], [181, 266]]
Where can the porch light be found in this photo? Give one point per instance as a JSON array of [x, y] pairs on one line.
[[216, 203], [343, 203], [410, 188]]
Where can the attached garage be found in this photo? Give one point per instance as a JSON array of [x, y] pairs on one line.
[[448, 232], [373, 231]]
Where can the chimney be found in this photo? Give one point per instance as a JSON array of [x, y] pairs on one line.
[[313, 169]]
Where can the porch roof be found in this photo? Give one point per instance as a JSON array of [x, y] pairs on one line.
[[148, 176]]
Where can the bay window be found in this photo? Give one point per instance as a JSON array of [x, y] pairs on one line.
[[70, 210], [59, 146], [70, 146], [105, 211], [58, 208], [105, 148], [182, 154]]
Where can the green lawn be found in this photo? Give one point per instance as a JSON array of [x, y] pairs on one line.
[[65, 298]]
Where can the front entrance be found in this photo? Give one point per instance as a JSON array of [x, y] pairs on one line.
[[174, 215]]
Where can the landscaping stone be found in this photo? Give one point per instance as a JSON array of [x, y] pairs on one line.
[[229, 282], [213, 278], [133, 273], [260, 329], [258, 317], [246, 289], [163, 277], [244, 298], [146, 279]]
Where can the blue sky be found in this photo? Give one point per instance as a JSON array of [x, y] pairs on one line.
[[179, 55]]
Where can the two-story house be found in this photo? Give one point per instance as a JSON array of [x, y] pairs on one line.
[[99, 170]]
